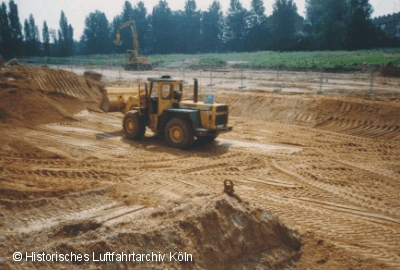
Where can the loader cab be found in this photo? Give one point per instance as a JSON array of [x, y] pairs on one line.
[[164, 93]]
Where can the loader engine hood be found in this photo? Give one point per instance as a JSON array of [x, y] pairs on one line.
[[212, 116], [189, 104]]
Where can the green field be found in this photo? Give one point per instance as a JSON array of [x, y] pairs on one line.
[[265, 59]]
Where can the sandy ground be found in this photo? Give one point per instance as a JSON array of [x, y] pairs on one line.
[[325, 167]]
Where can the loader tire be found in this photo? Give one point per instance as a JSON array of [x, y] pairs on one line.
[[133, 125], [179, 134]]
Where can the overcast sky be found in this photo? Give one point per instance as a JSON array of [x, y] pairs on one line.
[[77, 10]]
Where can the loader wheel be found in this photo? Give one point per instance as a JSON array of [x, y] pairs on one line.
[[178, 133], [206, 139], [133, 125]]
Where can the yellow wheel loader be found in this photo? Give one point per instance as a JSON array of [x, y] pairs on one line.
[[157, 103]]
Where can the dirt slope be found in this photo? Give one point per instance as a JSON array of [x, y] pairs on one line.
[[41, 95], [354, 116]]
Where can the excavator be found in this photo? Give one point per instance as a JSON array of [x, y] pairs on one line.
[[133, 60]]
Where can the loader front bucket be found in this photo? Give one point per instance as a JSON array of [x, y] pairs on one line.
[[111, 103]]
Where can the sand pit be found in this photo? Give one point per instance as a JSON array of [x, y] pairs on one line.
[[326, 165]]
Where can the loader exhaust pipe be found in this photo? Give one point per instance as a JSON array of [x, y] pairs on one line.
[[195, 91]]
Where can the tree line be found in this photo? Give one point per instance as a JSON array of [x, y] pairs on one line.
[[329, 25]]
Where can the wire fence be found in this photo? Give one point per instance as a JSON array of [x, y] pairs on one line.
[[235, 76]]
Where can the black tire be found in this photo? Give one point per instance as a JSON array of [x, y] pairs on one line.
[[133, 125], [206, 139], [179, 134]]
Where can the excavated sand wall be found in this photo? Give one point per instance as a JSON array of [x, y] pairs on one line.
[[42, 95], [367, 118]]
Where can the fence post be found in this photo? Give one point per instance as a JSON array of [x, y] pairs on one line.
[[371, 94], [211, 83], [241, 78], [119, 69], [184, 74], [320, 91], [277, 88]]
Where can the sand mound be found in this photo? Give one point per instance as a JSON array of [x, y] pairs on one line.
[[213, 231], [42, 95]]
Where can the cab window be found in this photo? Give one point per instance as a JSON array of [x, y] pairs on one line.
[[166, 90], [154, 89], [143, 89], [177, 91]]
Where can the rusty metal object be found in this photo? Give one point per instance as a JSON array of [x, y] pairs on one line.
[[228, 189]]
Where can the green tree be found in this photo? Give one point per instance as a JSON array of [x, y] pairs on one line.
[[127, 11], [70, 40], [65, 36], [15, 29], [358, 25], [142, 26], [190, 29], [31, 37], [258, 32], [257, 12], [236, 26], [28, 37], [282, 24], [96, 35], [162, 28], [5, 35], [46, 39], [328, 24], [126, 35], [212, 27]]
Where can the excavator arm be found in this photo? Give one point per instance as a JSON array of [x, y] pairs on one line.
[[132, 25]]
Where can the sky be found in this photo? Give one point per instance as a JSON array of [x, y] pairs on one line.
[[77, 10]]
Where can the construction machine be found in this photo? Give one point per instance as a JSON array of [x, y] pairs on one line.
[[157, 104], [133, 60]]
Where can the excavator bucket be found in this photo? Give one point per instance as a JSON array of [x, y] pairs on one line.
[[118, 40]]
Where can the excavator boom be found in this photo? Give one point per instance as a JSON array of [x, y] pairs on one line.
[[132, 25], [134, 62]]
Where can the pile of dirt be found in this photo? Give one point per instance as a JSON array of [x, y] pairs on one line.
[[390, 71], [41, 95], [13, 62], [92, 75], [211, 231]]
